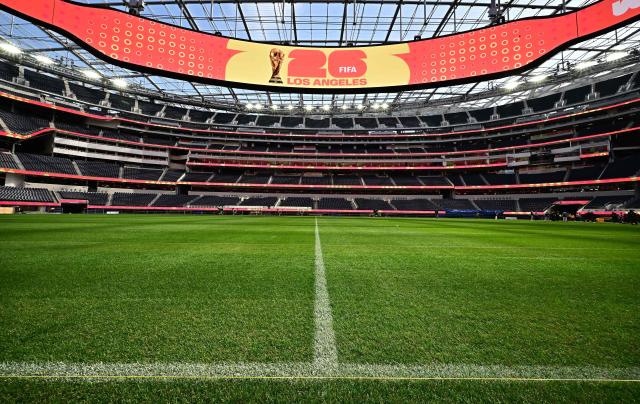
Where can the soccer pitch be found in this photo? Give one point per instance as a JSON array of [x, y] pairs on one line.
[[328, 309]]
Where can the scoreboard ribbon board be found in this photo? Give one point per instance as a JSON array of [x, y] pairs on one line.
[[153, 47]]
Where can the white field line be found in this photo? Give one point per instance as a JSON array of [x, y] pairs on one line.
[[97, 371], [325, 349]]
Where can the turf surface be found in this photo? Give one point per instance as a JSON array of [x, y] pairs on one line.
[[213, 289]]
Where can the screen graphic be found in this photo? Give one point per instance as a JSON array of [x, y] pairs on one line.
[[145, 45]]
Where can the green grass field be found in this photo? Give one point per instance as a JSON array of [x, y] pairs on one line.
[[189, 308]]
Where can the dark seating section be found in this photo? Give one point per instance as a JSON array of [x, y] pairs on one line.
[[121, 102], [267, 120], [7, 161], [149, 108], [473, 179], [131, 199], [413, 204], [576, 95], [434, 181], [285, 179], [372, 204], [98, 169], [26, 194], [376, 180], [255, 179], [226, 178], [544, 103], [585, 173], [86, 94], [609, 87], [148, 174], [170, 200], [8, 71], [44, 82], [535, 204], [198, 115], [334, 204], [500, 179], [268, 201], [315, 180], [171, 175], [502, 205], [342, 123], [196, 177], [214, 200], [346, 180], [291, 121], [172, 112], [223, 117], [510, 110], [453, 204], [23, 120], [622, 168], [555, 176], [608, 202], [300, 202], [405, 180], [94, 198], [36, 162]]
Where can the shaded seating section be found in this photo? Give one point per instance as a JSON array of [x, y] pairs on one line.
[[285, 179], [409, 121], [36, 162], [44, 82], [389, 121], [431, 120], [473, 179], [367, 123], [162, 140], [482, 115], [148, 174], [585, 173], [98, 169], [291, 121], [260, 201], [611, 86], [535, 204], [94, 198], [198, 115], [299, 202], [214, 200], [346, 180], [577, 95], [317, 123], [119, 102], [171, 175], [23, 119], [196, 177], [342, 123], [544, 103], [372, 204], [334, 203], [255, 178], [244, 119], [453, 204], [149, 108], [7, 161], [434, 181], [503, 205], [457, 118], [622, 168], [405, 180], [225, 178], [87, 94], [500, 179], [223, 117], [555, 176], [267, 120], [26, 194], [8, 71], [608, 202], [376, 180], [172, 112], [170, 200], [315, 180], [510, 110], [413, 204], [131, 199]]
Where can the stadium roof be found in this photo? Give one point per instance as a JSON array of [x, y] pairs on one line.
[[322, 23]]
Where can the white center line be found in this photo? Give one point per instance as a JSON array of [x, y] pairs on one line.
[[326, 352]]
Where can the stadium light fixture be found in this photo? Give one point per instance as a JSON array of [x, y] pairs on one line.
[[326, 107], [344, 107], [43, 60], [539, 78], [585, 65], [257, 107], [290, 107], [249, 106], [615, 56], [10, 49], [274, 107], [308, 107], [511, 85], [384, 106], [360, 107], [120, 83], [375, 106], [91, 74]]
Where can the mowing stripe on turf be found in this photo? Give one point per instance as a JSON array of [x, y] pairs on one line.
[[325, 350], [60, 370]]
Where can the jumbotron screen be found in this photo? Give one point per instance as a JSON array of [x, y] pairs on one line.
[[145, 45]]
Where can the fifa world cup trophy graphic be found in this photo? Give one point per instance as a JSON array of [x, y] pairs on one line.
[[276, 56]]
